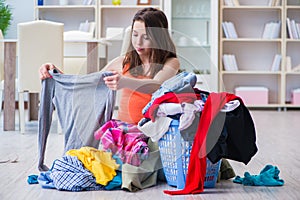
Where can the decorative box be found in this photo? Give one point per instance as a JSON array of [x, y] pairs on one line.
[[253, 95], [296, 96]]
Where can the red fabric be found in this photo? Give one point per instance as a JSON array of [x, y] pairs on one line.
[[169, 98], [197, 165]]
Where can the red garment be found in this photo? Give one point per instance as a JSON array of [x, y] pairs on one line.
[[169, 97], [197, 165]]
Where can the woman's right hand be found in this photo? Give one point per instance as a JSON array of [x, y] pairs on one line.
[[44, 70]]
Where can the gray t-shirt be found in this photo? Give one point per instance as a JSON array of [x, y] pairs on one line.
[[83, 104]]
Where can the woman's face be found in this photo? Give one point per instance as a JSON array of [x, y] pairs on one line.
[[140, 40]]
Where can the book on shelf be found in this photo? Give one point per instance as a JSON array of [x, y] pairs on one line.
[[236, 2], [228, 3], [232, 31], [271, 30], [273, 2], [229, 30], [288, 64], [289, 29], [87, 26], [298, 29], [276, 63], [225, 30], [229, 62], [293, 28], [270, 2], [84, 26], [87, 2], [40, 2], [231, 2], [296, 69]]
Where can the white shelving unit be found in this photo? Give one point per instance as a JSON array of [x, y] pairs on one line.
[[195, 32], [119, 16], [112, 16], [71, 14], [254, 54], [102, 12], [292, 77]]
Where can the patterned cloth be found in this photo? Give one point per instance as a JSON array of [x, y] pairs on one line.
[[124, 140], [68, 173]]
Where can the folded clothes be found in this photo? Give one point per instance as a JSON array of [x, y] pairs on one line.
[[269, 176]]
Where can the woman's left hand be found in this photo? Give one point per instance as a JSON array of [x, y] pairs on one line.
[[114, 81]]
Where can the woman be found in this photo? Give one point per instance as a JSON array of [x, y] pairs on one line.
[[150, 60]]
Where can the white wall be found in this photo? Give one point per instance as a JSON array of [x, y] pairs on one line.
[[23, 11]]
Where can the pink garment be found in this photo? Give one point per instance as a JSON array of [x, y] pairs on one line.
[[124, 140]]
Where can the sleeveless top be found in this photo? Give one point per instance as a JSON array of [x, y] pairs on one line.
[[131, 102]]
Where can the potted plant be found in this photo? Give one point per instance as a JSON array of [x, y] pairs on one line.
[[5, 16]]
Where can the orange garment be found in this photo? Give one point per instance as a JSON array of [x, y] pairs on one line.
[[132, 102]]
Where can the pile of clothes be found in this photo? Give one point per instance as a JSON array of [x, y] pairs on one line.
[[219, 124]]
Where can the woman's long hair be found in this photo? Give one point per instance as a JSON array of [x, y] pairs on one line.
[[162, 46]]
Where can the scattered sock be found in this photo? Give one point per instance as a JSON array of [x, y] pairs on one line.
[[32, 179], [45, 181], [269, 176]]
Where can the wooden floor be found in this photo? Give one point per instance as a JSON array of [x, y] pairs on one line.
[[278, 140]]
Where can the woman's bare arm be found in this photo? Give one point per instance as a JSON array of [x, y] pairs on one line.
[[114, 65], [148, 86]]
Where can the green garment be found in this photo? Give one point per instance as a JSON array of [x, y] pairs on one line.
[[146, 175], [226, 170]]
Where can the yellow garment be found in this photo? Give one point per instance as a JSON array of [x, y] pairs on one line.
[[99, 163]]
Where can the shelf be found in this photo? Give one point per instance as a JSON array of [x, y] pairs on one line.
[[191, 18], [292, 73], [101, 12], [127, 6], [251, 40], [292, 7], [289, 105], [193, 46], [251, 72], [292, 40], [67, 7], [252, 7]]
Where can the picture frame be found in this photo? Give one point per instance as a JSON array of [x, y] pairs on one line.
[[143, 2]]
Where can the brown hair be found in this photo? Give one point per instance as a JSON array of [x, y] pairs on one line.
[[163, 48]]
